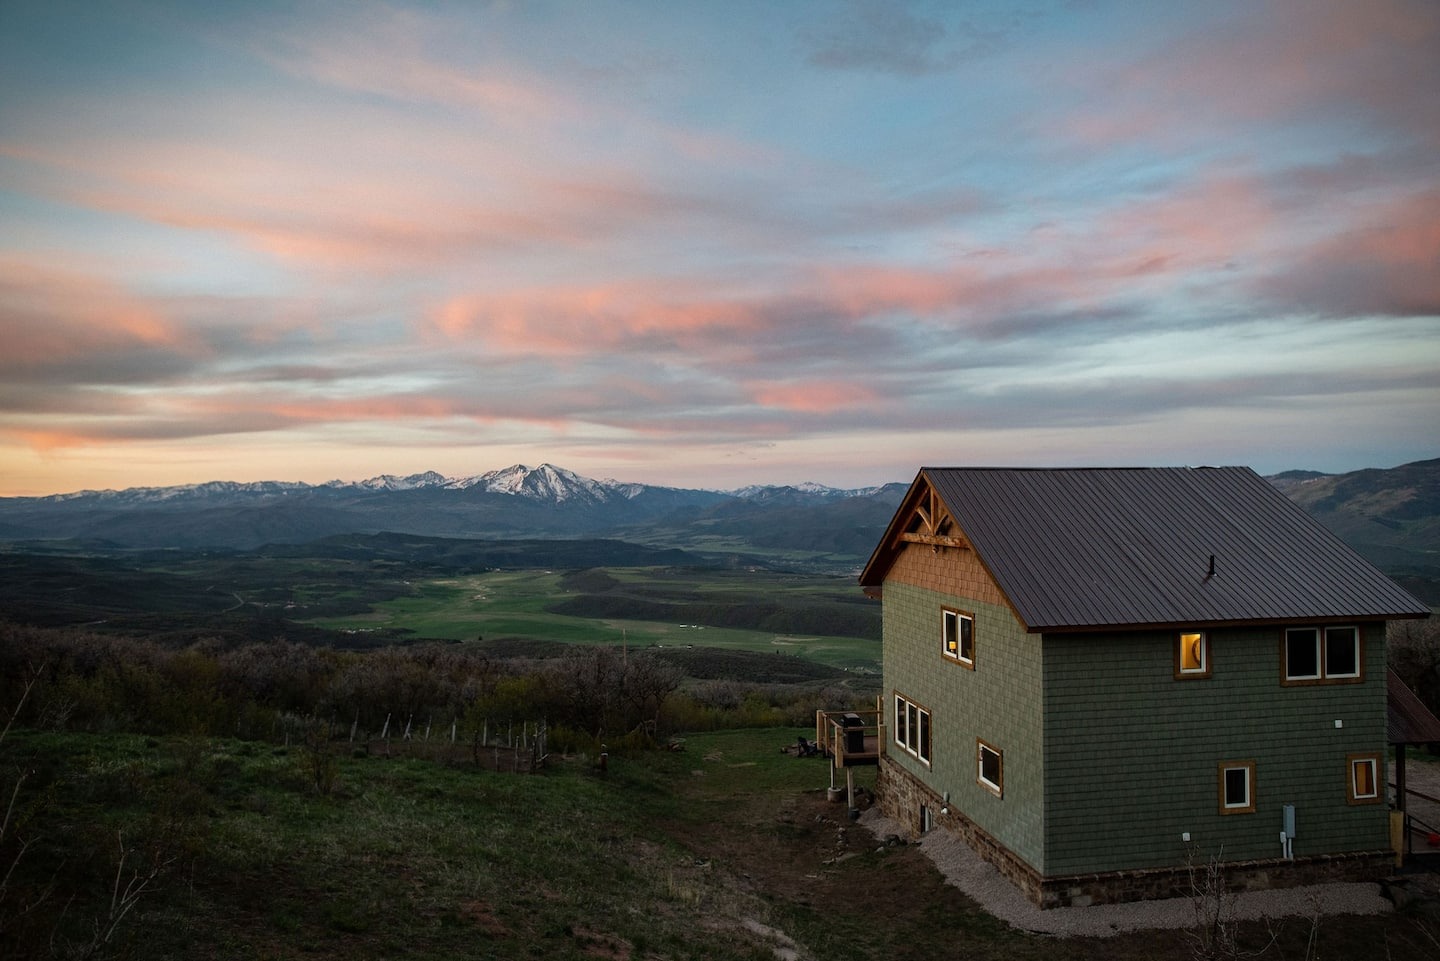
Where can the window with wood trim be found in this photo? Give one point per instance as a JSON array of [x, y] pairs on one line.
[[990, 768], [1237, 787], [912, 728], [1312, 655], [957, 636], [1192, 654], [1364, 779]]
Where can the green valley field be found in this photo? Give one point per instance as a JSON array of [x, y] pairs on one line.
[[826, 620]]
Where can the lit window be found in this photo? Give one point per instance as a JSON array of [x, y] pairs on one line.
[[958, 636], [1192, 654], [990, 768], [1237, 787], [1315, 656], [1364, 779], [912, 728]]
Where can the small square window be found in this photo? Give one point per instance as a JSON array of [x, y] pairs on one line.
[[1192, 654], [990, 768], [1237, 787], [958, 636], [1364, 785]]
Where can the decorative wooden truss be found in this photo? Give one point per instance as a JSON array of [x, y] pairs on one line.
[[930, 522]]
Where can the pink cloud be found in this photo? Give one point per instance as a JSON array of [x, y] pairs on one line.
[[1297, 60], [1387, 263], [577, 321], [56, 316], [812, 397]]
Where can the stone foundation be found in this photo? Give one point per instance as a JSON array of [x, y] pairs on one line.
[[902, 796]]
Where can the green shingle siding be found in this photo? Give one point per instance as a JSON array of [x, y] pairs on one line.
[[1132, 755], [998, 702], [1108, 758]]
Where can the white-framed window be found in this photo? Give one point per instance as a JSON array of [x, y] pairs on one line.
[[1192, 654], [912, 728], [1313, 655], [1237, 787], [957, 636], [1342, 652], [990, 768], [1364, 779]]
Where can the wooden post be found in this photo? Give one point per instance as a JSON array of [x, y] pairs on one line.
[[850, 793], [1400, 801]]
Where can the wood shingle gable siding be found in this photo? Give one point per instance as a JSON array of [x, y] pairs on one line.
[[1076, 549]]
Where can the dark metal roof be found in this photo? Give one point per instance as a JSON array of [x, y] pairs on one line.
[[1100, 547], [1409, 720]]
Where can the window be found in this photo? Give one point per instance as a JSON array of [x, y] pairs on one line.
[[1237, 787], [1342, 652], [958, 636], [1192, 654], [1364, 779], [1315, 656], [912, 728], [990, 768]]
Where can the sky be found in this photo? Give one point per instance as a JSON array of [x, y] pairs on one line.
[[714, 244]]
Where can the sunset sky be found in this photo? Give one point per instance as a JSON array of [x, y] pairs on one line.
[[714, 244]]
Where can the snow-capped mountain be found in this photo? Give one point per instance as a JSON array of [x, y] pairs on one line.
[[545, 483], [808, 489], [390, 482], [516, 501]]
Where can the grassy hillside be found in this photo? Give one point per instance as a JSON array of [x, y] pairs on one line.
[[727, 850], [1391, 517]]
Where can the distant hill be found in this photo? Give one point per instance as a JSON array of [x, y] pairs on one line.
[[1391, 516]]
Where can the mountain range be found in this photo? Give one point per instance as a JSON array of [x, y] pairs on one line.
[[518, 501], [1391, 516]]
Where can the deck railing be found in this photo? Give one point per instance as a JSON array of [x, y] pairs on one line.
[[850, 737]]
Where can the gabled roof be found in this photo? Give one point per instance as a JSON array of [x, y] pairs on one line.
[[1089, 548]]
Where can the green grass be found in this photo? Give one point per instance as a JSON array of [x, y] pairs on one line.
[[406, 859], [514, 604], [718, 851]]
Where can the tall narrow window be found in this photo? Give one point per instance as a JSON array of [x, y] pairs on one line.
[[1364, 779], [1237, 787], [990, 768], [957, 636], [912, 728], [1342, 652], [1192, 654], [902, 723], [1302, 654]]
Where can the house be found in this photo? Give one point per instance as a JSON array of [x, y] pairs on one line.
[[1099, 677]]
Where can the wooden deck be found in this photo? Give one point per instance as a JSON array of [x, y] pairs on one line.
[[850, 738]]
